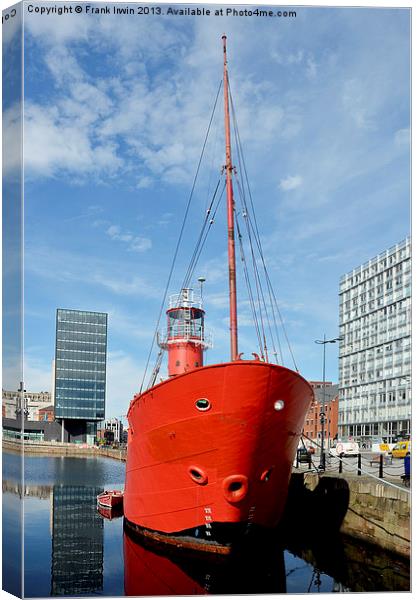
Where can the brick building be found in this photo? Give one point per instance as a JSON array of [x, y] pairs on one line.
[[46, 414], [312, 426]]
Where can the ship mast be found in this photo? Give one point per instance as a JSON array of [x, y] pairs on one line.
[[230, 215]]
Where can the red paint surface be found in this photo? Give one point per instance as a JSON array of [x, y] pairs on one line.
[[149, 574], [240, 435], [183, 357]]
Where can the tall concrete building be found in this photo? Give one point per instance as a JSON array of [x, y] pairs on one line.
[[375, 352], [80, 373]]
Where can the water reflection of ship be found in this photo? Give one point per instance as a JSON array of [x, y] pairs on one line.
[[77, 541], [155, 571]]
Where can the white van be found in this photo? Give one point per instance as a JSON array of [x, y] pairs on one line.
[[344, 448]]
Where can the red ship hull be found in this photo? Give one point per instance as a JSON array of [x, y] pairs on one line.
[[193, 470]]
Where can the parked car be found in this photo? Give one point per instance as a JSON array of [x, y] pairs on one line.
[[344, 448], [401, 449], [304, 455]]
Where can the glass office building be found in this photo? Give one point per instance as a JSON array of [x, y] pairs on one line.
[[80, 372]]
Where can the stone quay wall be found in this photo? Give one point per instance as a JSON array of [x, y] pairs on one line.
[[62, 449], [374, 512]]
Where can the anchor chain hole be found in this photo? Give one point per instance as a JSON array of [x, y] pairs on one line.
[[198, 475]]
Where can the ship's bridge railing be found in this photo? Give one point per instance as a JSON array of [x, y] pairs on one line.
[[185, 334], [186, 299]]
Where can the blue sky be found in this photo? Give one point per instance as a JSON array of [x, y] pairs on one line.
[[116, 110]]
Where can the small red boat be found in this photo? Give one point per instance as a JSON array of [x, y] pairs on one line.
[[111, 513], [110, 499]]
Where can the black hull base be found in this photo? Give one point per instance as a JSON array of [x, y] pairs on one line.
[[224, 538]]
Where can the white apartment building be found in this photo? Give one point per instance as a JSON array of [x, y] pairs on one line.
[[375, 352], [114, 425]]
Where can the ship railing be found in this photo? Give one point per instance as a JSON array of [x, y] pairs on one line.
[[165, 338], [185, 299]]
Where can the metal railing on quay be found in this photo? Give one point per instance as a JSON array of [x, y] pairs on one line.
[[361, 466]]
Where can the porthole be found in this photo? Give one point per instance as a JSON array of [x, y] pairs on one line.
[[279, 405], [203, 404], [198, 475]]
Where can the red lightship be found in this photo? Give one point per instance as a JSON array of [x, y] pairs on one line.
[[210, 449]]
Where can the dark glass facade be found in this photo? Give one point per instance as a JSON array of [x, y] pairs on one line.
[[80, 365], [77, 541]]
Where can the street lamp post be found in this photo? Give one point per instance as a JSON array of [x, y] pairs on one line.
[[323, 342]]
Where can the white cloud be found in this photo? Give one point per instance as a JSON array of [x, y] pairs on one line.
[[124, 376], [165, 219], [121, 119], [53, 143], [311, 68], [130, 327], [69, 268], [57, 28], [218, 301], [37, 374], [135, 243], [356, 101], [145, 182], [140, 244], [291, 58], [291, 182], [113, 231]]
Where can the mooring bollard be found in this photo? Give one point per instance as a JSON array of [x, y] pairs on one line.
[[381, 466], [359, 464]]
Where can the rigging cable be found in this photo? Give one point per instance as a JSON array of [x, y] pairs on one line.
[[259, 285], [259, 291], [258, 281], [256, 232], [249, 288], [187, 281], [180, 237], [255, 266], [193, 260], [248, 220]]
